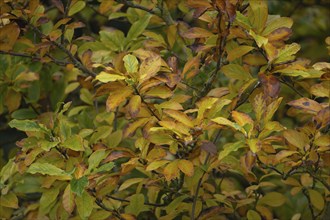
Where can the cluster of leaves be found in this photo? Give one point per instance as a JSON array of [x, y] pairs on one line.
[[201, 110]]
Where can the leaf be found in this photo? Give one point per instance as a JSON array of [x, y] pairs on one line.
[[9, 200], [94, 160], [260, 14], [68, 200], [78, 185], [238, 52], [24, 113], [306, 105], [273, 199], [149, 67], [259, 106], [160, 139], [26, 125], [191, 68], [105, 167], [156, 164], [112, 39], [117, 97], [271, 109], [270, 84], [235, 71], [162, 92], [297, 139], [85, 205], [47, 200], [180, 116], [12, 100], [209, 147], [175, 127], [316, 198], [129, 183], [136, 205], [8, 36], [286, 53], [253, 215], [254, 144], [229, 148], [187, 167], [241, 118], [59, 5], [76, 7], [226, 122], [130, 129], [138, 27], [46, 169], [131, 63], [276, 24], [74, 142], [108, 77], [284, 154], [260, 40], [134, 106], [171, 171], [196, 32]]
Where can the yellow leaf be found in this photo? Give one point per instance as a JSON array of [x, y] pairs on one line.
[[9, 200], [226, 122], [175, 127], [134, 106], [156, 164], [117, 97], [254, 144], [259, 14], [8, 36], [253, 215], [306, 180], [68, 200], [287, 53], [187, 167], [130, 129], [259, 106], [191, 68], [180, 116], [160, 92], [171, 171], [284, 154], [238, 52], [129, 183], [297, 139], [149, 67], [241, 118], [277, 23], [316, 198], [108, 77]]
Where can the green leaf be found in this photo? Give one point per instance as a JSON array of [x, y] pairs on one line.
[[24, 113], [259, 15], [47, 145], [287, 53], [78, 185], [78, 6], [131, 63], [113, 40], [109, 77], [95, 159], [136, 205], [253, 215], [47, 201], [9, 200], [238, 52], [27, 125], [138, 27], [175, 203], [229, 148], [235, 71], [105, 167], [85, 204], [316, 198], [273, 199], [74, 142], [46, 169]]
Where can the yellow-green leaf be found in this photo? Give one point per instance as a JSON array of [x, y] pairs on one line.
[[297, 139], [273, 199], [76, 7], [171, 171], [277, 23], [46, 169], [259, 14], [85, 205], [9, 200], [156, 164], [149, 67], [180, 116], [134, 106], [131, 63], [187, 167], [316, 198], [238, 52], [160, 92], [74, 142], [253, 215], [108, 77]]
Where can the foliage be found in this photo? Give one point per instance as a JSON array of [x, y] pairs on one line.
[[193, 110]]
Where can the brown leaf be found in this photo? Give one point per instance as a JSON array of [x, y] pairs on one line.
[[280, 34], [209, 147], [197, 32], [59, 5], [218, 92], [306, 105], [270, 84]]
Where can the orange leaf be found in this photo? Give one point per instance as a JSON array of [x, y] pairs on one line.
[[117, 97], [241, 118], [130, 129]]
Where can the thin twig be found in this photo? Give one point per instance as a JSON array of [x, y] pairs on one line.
[[125, 200], [66, 11], [292, 87]]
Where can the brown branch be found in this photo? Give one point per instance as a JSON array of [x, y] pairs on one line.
[[145, 203], [66, 11]]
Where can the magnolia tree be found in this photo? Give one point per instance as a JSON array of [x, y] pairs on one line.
[[148, 109]]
